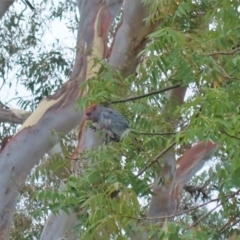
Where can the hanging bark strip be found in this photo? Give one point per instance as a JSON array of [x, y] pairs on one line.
[[190, 163]]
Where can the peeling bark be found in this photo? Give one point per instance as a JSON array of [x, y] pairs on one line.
[[22, 153], [190, 163], [176, 174]]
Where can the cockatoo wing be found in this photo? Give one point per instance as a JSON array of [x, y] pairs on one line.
[[113, 122]]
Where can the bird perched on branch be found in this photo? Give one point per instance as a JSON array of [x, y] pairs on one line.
[[112, 122]]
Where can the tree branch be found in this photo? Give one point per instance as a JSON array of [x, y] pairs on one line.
[[229, 223], [154, 133], [174, 215], [145, 95], [201, 218], [16, 116], [225, 73], [228, 196], [229, 135], [28, 4], [156, 159], [4, 6], [225, 53], [35, 136]]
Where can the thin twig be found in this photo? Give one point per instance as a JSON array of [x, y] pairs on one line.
[[156, 159], [228, 196], [145, 95], [26, 2], [234, 223], [225, 73], [165, 150], [200, 219], [173, 215], [228, 77], [229, 135], [225, 226], [229, 224], [154, 134], [204, 216], [225, 53]]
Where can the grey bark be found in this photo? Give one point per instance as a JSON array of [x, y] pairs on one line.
[[15, 116], [23, 152], [4, 6]]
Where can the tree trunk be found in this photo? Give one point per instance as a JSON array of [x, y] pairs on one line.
[[4, 6]]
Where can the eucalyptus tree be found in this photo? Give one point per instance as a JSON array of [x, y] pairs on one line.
[[170, 67]]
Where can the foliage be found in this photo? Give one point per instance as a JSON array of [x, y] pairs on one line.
[[195, 45]]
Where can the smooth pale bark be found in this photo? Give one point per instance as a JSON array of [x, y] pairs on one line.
[[176, 174], [4, 6], [166, 198], [55, 230], [130, 38], [162, 203], [18, 116], [22, 153]]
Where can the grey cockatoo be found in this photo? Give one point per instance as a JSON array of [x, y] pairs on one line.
[[112, 122]]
